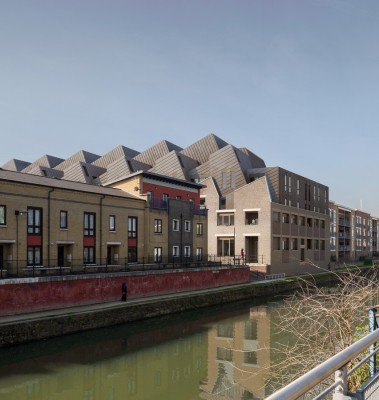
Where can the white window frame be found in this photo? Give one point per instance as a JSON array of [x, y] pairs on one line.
[[187, 225], [175, 225], [175, 251]]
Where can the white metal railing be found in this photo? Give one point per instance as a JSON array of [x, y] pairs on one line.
[[336, 365], [275, 276]]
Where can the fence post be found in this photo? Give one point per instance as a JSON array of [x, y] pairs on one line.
[[372, 326], [340, 377]]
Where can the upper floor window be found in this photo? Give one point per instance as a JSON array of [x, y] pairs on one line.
[[251, 218], [157, 226], [225, 219], [3, 215], [132, 227], [276, 216], [34, 220], [175, 224], [187, 251], [187, 225], [89, 224], [285, 218], [112, 223], [199, 229], [63, 220]]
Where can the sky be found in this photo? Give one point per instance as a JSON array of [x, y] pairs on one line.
[[295, 81]]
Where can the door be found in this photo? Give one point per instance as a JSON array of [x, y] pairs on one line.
[[60, 256]]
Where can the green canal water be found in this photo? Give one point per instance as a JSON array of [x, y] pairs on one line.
[[214, 353]]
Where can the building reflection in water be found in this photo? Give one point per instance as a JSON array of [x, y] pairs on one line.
[[239, 357], [219, 353]]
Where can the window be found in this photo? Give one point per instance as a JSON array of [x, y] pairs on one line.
[[309, 222], [89, 224], [199, 254], [224, 354], [157, 254], [223, 178], [89, 255], [285, 244], [276, 216], [3, 213], [34, 220], [175, 251], [232, 180], [302, 221], [199, 229], [250, 357], [251, 218], [157, 226], [322, 223], [34, 255], [225, 219], [316, 244], [294, 219], [112, 223], [175, 225], [225, 247], [309, 244], [178, 197], [285, 218], [187, 225], [225, 330], [165, 199], [187, 251], [251, 329], [132, 227], [316, 223], [294, 244], [63, 222]]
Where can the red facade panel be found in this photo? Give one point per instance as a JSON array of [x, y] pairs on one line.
[[89, 241], [34, 240]]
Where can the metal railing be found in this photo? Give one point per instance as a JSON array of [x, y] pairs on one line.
[[56, 267], [337, 365]]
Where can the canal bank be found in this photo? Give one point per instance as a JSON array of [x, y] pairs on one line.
[[33, 326]]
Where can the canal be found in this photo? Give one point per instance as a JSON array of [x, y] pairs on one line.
[[214, 353]]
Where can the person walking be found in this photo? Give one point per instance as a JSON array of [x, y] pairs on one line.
[[124, 291]]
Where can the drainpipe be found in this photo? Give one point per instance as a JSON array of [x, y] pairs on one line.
[[48, 224], [101, 227]]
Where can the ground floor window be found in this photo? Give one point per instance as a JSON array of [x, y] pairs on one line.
[[157, 254], [199, 254], [34, 255], [132, 254], [225, 247], [89, 255]]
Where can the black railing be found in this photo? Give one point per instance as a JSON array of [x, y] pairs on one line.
[[57, 267]]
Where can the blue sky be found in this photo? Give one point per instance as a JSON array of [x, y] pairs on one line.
[[295, 81]]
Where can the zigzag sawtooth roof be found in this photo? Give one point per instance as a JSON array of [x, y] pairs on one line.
[[201, 159], [44, 161], [13, 176]]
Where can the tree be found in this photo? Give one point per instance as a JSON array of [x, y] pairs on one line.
[[323, 321]]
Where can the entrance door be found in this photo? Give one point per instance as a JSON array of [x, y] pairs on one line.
[[60, 256], [251, 251], [109, 255]]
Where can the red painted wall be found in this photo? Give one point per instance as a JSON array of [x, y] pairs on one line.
[[158, 192], [45, 293]]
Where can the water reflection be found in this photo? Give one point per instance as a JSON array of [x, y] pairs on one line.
[[215, 353]]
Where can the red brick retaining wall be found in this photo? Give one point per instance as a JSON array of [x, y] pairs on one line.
[[31, 294]]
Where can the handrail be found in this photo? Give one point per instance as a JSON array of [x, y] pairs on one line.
[[306, 382]]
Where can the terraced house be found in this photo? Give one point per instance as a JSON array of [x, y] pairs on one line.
[[209, 198]]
